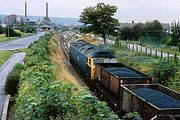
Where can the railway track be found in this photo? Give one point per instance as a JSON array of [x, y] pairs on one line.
[[65, 49], [63, 44]]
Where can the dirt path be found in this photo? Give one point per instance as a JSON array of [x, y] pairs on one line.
[[63, 69]]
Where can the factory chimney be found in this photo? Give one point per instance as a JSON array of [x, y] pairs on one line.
[[47, 10], [25, 9]]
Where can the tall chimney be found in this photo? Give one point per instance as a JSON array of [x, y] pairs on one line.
[[46, 9], [25, 9]]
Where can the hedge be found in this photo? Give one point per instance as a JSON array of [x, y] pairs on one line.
[[12, 81]]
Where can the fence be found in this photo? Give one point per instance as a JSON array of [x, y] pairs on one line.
[[148, 51]]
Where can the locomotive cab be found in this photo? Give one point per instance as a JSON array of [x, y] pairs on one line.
[[93, 61], [99, 56]]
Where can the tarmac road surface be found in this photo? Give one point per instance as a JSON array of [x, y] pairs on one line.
[[20, 43]]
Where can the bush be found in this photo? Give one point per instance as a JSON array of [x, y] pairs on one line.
[[27, 29], [12, 32], [12, 81], [132, 116], [163, 71], [1, 30], [175, 83]]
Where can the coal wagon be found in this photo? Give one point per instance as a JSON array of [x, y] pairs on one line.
[[151, 101], [110, 76]]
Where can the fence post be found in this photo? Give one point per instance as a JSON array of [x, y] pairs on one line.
[[175, 56], [137, 47], [146, 50], [161, 54], [155, 53], [133, 47], [168, 54], [150, 51], [177, 48], [141, 48]]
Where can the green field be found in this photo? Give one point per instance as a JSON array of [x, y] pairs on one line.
[[3, 37], [137, 60], [4, 55]]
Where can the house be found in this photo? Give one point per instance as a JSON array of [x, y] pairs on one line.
[[12, 19]]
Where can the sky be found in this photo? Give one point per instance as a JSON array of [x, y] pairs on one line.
[[128, 10]]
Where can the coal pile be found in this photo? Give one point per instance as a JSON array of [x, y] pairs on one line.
[[123, 72], [157, 98]]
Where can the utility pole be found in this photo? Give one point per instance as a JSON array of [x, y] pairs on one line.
[[8, 30], [25, 10]]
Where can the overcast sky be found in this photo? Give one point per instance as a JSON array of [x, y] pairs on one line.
[[128, 10]]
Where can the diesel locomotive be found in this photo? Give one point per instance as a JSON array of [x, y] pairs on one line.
[[85, 56], [129, 90]]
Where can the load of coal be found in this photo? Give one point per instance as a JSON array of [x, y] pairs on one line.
[[123, 72], [157, 98]]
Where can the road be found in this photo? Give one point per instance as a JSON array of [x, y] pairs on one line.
[[20, 43], [4, 70], [15, 58]]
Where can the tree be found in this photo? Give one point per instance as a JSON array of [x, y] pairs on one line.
[[99, 20], [10, 32], [138, 30], [175, 34], [1, 29], [27, 29], [154, 29], [127, 33]]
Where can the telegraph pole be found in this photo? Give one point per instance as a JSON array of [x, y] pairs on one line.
[[8, 30]]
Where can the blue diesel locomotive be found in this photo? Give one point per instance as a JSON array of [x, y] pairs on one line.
[[84, 56]]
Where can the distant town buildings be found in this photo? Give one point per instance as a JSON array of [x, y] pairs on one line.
[[12, 19], [40, 24], [46, 23]]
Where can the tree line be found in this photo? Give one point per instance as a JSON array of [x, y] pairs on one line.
[[153, 29], [11, 32], [99, 20]]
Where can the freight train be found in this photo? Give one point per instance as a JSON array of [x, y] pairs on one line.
[[126, 88]]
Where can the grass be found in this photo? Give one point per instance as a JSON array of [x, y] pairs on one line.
[[21, 50], [4, 55], [62, 71], [3, 37], [137, 60]]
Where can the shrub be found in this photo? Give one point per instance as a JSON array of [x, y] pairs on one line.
[[163, 71], [12, 81], [27, 29], [132, 116], [11, 32], [175, 83]]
